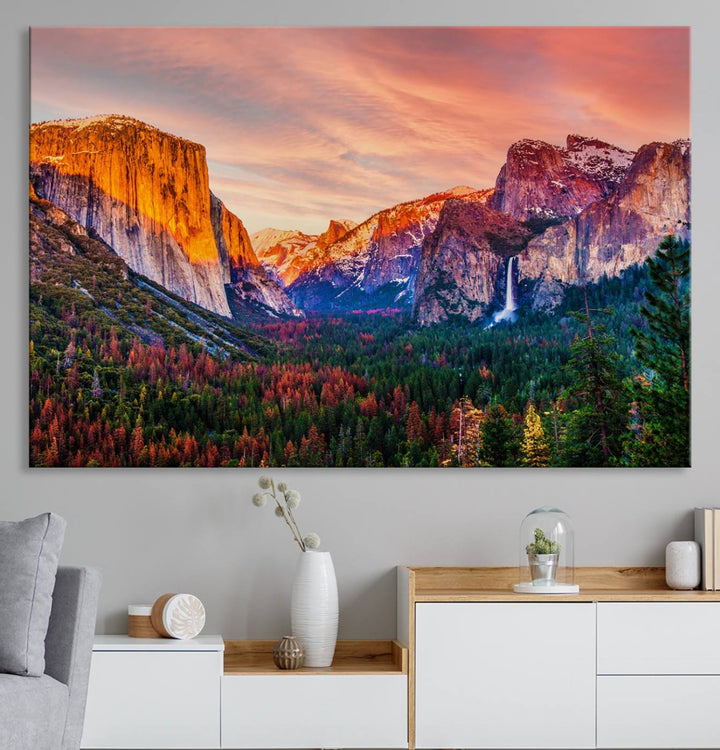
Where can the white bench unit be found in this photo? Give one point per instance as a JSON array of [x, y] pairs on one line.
[[154, 693], [165, 693]]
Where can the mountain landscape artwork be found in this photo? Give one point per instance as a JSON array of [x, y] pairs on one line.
[[359, 247]]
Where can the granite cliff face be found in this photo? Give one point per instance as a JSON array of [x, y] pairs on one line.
[[542, 183], [146, 194], [463, 264], [376, 263], [614, 233], [248, 285]]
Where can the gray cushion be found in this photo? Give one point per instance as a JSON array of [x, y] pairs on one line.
[[29, 552], [32, 712]]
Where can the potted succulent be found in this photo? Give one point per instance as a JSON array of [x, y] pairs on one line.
[[543, 555]]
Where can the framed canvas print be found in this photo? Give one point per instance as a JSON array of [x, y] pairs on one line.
[[359, 247]]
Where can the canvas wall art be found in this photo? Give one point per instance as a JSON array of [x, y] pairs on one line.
[[359, 247]]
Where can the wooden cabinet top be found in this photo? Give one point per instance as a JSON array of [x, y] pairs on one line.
[[597, 584]]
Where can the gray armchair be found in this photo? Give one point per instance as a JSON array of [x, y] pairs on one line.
[[47, 712]]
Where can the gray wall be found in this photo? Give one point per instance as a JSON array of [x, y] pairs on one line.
[[195, 530]]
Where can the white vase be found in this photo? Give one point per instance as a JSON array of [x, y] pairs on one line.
[[314, 607], [682, 565]]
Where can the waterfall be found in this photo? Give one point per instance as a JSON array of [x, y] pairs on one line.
[[510, 305], [508, 312]]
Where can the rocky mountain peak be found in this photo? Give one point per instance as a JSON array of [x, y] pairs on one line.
[[616, 232], [335, 231], [543, 184]]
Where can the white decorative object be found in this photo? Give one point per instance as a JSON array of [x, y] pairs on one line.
[[682, 565], [179, 616], [314, 607]]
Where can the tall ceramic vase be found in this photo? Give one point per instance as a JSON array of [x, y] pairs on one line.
[[314, 607]]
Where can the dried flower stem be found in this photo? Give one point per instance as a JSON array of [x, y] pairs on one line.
[[288, 517], [285, 501]]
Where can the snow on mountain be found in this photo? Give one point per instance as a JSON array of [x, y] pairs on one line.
[[597, 158]]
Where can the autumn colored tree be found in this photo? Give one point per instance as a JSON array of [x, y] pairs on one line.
[[535, 446], [414, 425], [312, 448], [465, 421]]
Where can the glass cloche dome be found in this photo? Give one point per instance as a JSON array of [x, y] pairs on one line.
[[547, 553]]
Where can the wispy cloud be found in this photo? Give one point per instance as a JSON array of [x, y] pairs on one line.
[[306, 124]]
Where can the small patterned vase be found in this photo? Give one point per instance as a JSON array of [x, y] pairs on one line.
[[288, 653]]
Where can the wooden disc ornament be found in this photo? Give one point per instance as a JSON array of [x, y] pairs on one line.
[[179, 616]]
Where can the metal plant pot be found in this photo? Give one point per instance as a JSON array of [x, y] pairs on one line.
[[543, 568]]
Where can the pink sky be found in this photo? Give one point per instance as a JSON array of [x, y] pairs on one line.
[[302, 125]]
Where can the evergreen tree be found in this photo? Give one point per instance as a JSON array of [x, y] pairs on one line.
[[535, 445], [596, 425], [660, 432], [500, 445]]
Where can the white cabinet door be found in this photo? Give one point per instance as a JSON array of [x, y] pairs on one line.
[[505, 675], [658, 711], [153, 699], [658, 638], [311, 711]]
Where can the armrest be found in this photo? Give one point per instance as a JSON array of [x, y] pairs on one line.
[[69, 641]]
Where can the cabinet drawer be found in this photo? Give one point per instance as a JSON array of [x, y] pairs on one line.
[[658, 638], [153, 700], [658, 711], [309, 711]]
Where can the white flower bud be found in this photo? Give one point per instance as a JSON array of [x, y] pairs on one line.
[[258, 499], [279, 512], [312, 540], [282, 486], [292, 496], [264, 482]]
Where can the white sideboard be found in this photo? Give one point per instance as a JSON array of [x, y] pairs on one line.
[[154, 693], [626, 663]]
